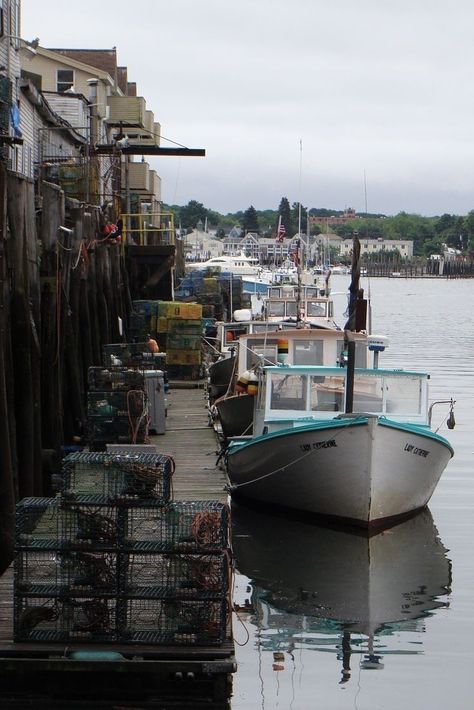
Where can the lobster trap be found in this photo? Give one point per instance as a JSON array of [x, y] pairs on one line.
[[174, 575], [135, 355], [64, 619], [61, 572], [194, 526], [130, 404], [117, 478], [174, 621], [115, 378], [47, 523]]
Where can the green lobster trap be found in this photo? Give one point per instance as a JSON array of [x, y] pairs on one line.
[[174, 575], [121, 478], [174, 621], [194, 526]]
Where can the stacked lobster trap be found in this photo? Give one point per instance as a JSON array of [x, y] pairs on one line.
[[117, 408], [113, 560]]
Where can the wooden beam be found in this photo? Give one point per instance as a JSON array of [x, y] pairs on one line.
[[107, 149]]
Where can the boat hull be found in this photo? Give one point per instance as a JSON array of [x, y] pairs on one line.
[[235, 415], [365, 470], [220, 376]]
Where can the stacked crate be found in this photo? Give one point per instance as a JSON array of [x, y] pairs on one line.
[[182, 323], [175, 574], [66, 572], [113, 560], [146, 313], [117, 408], [67, 562]]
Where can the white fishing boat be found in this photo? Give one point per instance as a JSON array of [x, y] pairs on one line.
[[354, 445], [287, 274], [238, 265], [310, 305], [258, 342]]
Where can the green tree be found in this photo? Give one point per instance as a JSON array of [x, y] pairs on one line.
[[469, 230], [249, 221], [295, 216], [284, 212], [192, 213]]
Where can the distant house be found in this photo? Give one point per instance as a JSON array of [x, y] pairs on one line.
[[374, 246], [333, 220]]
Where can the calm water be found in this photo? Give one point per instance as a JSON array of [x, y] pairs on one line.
[[338, 622]]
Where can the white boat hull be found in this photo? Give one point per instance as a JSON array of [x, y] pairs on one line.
[[366, 470]]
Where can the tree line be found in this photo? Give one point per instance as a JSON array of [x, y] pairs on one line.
[[428, 234]]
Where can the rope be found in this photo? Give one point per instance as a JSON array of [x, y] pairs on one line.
[[349, 423], [134, 428]]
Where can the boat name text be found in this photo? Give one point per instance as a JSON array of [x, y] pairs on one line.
[[318, 445], [412, 449]]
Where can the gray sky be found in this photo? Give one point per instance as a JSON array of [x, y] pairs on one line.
[[376, 87]]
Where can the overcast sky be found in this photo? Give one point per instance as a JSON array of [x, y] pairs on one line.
[[374, 88]]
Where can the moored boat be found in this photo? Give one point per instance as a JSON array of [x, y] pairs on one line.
[[350, 444]]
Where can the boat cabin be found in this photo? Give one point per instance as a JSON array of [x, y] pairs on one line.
[[295, 396], [228, 334], [315, 306], [297, 346], [291, 291]]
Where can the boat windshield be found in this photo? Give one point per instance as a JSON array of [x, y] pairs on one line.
[[308, 352], [327, 393], [276, 309], [233, 332], [316, 308], [288, 392], [393, 395], [398, 395]]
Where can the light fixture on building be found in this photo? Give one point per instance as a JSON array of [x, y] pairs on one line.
[[27, 47]]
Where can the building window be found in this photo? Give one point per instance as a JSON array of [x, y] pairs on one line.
[[1, 19], [65, 80]]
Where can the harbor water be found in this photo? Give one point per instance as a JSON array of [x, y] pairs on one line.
[[332, 620]]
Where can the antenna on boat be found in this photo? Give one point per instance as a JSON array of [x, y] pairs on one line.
[[298, 245], [377, 344], [369, 298]]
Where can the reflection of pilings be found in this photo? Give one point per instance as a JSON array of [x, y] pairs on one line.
[[346, 657]]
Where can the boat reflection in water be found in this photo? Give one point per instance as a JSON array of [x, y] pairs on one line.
[[329, 589]]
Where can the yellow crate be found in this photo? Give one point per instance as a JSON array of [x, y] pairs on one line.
[[183, 357], [176, 309], [162, 324]]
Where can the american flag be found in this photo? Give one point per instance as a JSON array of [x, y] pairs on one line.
[[281, 231]]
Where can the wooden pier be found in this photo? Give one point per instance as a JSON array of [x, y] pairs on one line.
[[45, 675]]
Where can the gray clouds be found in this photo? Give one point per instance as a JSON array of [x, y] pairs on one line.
[[377, 86]]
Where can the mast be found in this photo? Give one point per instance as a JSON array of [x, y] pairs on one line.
[[298, 244], [352, 324]]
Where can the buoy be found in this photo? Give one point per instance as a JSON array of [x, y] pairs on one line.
[[242, 382], [282, 347], [252, 387], [242, 314]]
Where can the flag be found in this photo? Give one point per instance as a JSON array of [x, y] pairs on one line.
[[281, 231]]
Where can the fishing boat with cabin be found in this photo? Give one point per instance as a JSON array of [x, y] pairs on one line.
[[347, 442]]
